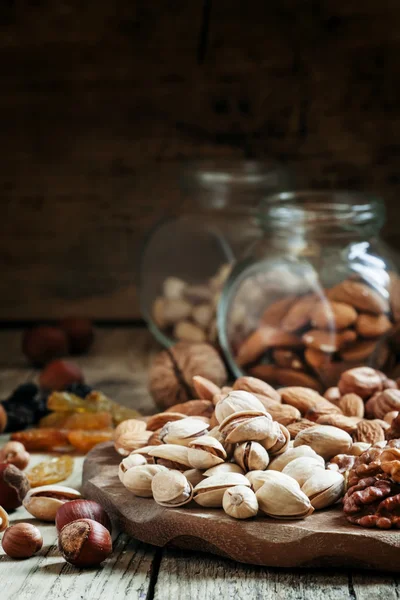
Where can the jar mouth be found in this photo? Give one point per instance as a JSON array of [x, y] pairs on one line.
[[325, 210], [232, 183]]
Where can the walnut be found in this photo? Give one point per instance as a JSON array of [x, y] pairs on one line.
[[170, 376], [373, 502], [390, 462], [394, 431], [368, 464], [382, 403]]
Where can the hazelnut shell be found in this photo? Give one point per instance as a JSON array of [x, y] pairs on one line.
[[14, 486], [82, 509], [58, 374], [85, 543], [79, 332], [22, 540], [44, 343]]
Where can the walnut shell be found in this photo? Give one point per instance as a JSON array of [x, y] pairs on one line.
[[172, 371]]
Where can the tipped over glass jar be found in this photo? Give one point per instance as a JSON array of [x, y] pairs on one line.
[[319, 295], [187, 258]]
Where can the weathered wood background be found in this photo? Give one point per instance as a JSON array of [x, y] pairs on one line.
[[101, 100]]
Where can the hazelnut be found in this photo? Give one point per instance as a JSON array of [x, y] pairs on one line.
[[3, 419], [44, 343], [79, 333], [58, 374], [14, 453], [85, 543], [171, 374], [22, 540], [82, 509], [14, 486]]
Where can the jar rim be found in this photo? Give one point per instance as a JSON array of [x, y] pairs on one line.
[[211, 172], [319, 208]]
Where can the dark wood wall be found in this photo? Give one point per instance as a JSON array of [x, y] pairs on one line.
[[101, 99]]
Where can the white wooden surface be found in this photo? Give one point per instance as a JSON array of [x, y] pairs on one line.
[[117, 364]]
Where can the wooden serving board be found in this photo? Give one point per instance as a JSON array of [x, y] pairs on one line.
[[324, 539]]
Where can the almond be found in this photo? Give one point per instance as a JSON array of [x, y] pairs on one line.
[[333, 315], [300, 313], [321, 409], [287, 359], [256, 386], [359, 351], [384, 402], [372, 325], [193, 408], [395, 295], [370, 406], [274, 314], [297, 426], [261, 340], [316, 359], [302, 398], [205, 388], [352, 405], [348, 424], [360, 296], [160, 419], [363, 381], [284, 414], [329, 373], [328, 341], [333, 395], [369, 432], [286, 377]]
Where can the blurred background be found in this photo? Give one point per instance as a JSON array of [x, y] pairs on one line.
[[101, 102]]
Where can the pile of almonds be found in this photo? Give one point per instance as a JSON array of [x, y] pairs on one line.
[[310, 339], [250, 448]]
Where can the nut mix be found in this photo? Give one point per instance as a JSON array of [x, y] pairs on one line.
[[306, 336]]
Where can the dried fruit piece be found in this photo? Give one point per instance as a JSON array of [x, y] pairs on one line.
[[86, 440], [51, 471], [42, 439], [55, 420], [89, 421]]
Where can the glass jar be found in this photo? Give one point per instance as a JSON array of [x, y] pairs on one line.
[[187, 258], [318, 295]]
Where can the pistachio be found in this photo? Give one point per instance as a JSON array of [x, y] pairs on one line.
[[279, 463], [250, 426], [171, 488], [194, 476], [44, 501], [358, 448], [324, 488], [129, 441], [138, 479], [205, 452], [282, 498], [229, 448], [210, 492], [258, 478], [144, 451], [133, 460], [303, 468], [281, 443], [171, 456], [182, 432], [237, 401], [240, 502], [251, 456], [326, 440], [226, 467]]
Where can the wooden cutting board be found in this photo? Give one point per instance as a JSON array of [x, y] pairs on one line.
[[324, 539]]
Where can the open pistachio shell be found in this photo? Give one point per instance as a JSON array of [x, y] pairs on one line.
[[302, 468], [138, 479], [171, 488], [324, 488], [280, 462], [281, 444], [133, 460], [171, 456], [184, 431], [226, 467], [210, 491], [251, 456], [43, 502], [205, 452], [237, 401], [258, 478], [240, 502], [249, 426], [194, 476], [283, 499], [327, 441]]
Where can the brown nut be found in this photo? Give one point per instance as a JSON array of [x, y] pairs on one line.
[[284, 414], [369, 431], [371, 326], [302, 398], [363, 381], [256, 386], [79, 332], [261, 340], [59, 374], [300, 313], [14, 453], [3, 519], [275, 312], [328, 341], [81, 509], [205, 388], [348, 424], [3, 419], [386, 401], [322, 409], [194, 408], [352, 405], [333, 315], [333, 395], [14, 486], [22, 540], [85, 543], [44, 343], [359, 295], [297, 426]]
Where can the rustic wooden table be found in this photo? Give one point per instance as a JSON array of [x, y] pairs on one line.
[[117, 364]]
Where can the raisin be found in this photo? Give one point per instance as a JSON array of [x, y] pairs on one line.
[[89, 421], [79, 389], [18, 416], [63, 401], [55, 420], [86, 440], [51, 471], [42, 439], [24, 393]]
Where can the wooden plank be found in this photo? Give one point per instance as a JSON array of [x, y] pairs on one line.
[[181, 578]]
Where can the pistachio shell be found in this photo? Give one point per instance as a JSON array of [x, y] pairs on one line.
[[237, 401], [210, 491], [133, 460], [184, 431], [324, 488], [358, 448], [258, 478], [43, 502], [225, 467], [279, 463], [302, 468], [171, 488], [194, 476], [229, 448], [240, 502], [282, 443], [138, 479], [327, 441], [251, 456], [283, 499], [171, 456], [205, 452], [249, 426]]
